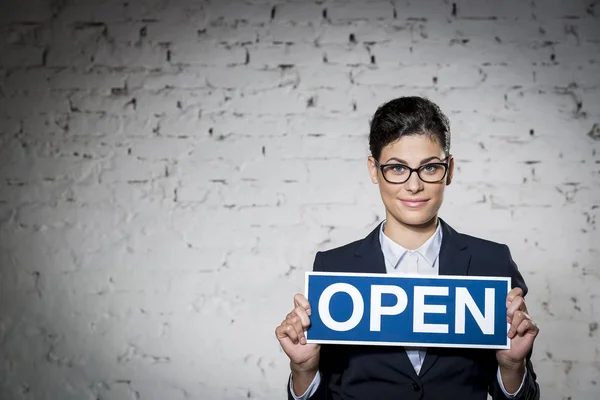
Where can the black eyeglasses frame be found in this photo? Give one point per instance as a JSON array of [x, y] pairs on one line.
[[382, 166]]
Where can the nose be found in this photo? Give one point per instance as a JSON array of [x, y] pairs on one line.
[[414, 183]]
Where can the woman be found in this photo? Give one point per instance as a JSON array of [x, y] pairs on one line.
[[411, 163]]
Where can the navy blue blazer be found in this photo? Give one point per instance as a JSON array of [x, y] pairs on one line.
[[382, 372]]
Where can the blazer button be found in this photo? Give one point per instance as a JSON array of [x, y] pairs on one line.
[[416, 386]]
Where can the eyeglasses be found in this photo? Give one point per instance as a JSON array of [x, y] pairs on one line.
[[400, 173]]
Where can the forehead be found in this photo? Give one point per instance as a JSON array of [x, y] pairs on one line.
[[413, 148]]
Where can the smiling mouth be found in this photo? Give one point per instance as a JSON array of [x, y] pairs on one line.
[[414, 203]]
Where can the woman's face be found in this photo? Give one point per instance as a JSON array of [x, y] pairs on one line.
[[413, 202]]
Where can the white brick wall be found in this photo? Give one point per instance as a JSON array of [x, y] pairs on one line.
[[169, 168]]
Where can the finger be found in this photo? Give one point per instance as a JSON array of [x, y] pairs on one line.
[[515, 292], [517, 318], [300, 300], [296, 323], [527, 326], [280, 331], [289, 331], [303, 315], [518, 304]]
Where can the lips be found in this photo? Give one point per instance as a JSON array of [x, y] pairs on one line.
[[414, 203]]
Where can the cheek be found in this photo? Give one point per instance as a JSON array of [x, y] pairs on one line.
[[388, 192], [438, 193]]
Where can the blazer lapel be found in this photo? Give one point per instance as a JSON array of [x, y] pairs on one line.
[[453, 260], [454, 255], [370, 254]]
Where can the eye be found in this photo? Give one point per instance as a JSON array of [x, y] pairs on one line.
[[431, 168], [397, 168]]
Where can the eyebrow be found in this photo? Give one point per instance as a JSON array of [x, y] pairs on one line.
[[424, 161]]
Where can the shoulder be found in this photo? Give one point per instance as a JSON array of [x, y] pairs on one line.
[[341, 252], [474, 243], [477, 243], [345, 256], [492, 258], [487, 253]]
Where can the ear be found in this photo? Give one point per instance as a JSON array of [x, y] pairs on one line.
[[450, 174], [373, 170]]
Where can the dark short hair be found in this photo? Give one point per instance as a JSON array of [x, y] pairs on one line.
[[408, 116]]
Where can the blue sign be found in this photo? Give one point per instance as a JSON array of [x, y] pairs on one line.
[[399, 310]]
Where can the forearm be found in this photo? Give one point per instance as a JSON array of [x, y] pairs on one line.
[[512, 376], [301, 379]]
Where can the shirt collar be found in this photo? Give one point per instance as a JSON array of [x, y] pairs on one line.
[[429, 250]]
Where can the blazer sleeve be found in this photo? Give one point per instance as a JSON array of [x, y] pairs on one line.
[[530, 389], [332, 360]]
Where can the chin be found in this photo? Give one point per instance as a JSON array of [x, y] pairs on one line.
[[414, 218]]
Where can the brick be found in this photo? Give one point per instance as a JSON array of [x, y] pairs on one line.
[[299, 12], [243, 34], [190, 78], [500, 75], [453, 76], [130, 169], [351, 11], [326, 76], [131, 56], [206, 53], [393, 54], [522, 30], [21, 105], [285, 55], [567, 75], [561, 9], [27, 34], [236, 11], [253, 126], [243, 78], [274, 101], [176, 101], [343, 55], [168, 149], [20, 80], [338, 34], [181, 13], [424, 10], [161, 30], [286, 33], [92, 12], [101, 80], [16, 11], [586, 53], [21, 56], [333, 126], [487, 9], [409, 75], [62, 55]]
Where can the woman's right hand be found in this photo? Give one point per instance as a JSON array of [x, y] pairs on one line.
[[290, 333]]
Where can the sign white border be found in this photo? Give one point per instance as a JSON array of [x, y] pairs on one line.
[[457, 346]]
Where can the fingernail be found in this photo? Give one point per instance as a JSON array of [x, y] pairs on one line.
[[303, 340], [308, 312]]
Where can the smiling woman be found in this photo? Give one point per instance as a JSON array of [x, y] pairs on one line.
[[412, 199], [407, 133], [411, 163]]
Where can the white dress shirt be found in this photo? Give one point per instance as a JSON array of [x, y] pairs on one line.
[[398, 260]]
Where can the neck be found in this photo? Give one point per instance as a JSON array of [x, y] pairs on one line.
[[410, 237]]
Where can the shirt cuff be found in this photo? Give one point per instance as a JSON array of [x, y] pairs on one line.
[[312, 388], [508, 395]]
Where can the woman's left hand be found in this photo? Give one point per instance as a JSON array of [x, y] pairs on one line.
[[522, 333]]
